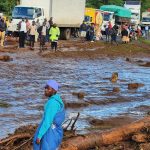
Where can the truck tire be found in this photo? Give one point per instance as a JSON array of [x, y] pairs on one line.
[[67, 34], [77, 33]]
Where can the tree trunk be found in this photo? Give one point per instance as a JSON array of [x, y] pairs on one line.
[[105, 138]]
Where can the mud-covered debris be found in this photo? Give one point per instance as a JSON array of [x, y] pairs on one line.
[[114, 77], [5, 58], [134, 85], [146, 64], [5, 105], [127, 59], [96, 122], [139, 61], [116, 89], [76, 105], [79, 94], [140, 137], [144, 146]]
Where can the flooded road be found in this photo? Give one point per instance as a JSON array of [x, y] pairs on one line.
[[22, 86]]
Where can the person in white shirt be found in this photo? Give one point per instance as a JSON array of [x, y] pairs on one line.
[[22, 33], [32, 33]]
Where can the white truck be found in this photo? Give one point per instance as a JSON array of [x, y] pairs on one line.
[[135, 7], [145, 19], [67, 14], [108, 16], [1, 14]]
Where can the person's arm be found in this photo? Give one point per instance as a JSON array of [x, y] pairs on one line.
[[51, 109], [58, 31]]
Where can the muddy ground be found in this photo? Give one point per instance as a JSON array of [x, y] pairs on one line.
[[86, 50], [76, 49]]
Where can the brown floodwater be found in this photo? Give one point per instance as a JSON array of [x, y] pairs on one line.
[[22, 85]]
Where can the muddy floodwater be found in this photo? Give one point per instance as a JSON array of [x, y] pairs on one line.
[[22, 84]]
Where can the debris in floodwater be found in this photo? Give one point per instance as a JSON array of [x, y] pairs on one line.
[[79, 94], [4, 105], [114, 77], [134, 85]]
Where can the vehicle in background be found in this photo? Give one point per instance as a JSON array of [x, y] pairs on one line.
[[135, 7], [67, 14], [145, 19], [89, 15], [93, 16], [115, 15], [108, 16]]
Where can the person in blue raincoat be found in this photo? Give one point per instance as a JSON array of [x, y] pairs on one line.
[[49, 134]]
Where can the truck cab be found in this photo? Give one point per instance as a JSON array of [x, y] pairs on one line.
[[89, 15], [145, 19], [31, 13], [108, 16]]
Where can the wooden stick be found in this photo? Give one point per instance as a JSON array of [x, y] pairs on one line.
[[68, 124], [18, 136], [72, 127], [23, 144], [105, 138]]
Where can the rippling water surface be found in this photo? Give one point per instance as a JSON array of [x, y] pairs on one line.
[[22, 81]]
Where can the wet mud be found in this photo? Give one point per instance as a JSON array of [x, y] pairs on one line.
[[86, 67]]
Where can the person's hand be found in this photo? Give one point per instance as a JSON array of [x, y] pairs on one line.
[[38, 141]]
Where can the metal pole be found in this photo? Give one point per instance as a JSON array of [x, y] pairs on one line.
[[51, 4]]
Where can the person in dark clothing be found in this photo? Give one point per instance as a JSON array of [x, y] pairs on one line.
[[107, 32], [88, 32], [113, 33], [91, 32], [42, 35], [83, 31], [51, 22]]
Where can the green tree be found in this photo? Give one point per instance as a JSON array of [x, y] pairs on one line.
[[145, 5], [98, 3], [6, 6]]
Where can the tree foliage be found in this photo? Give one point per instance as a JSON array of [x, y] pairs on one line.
[[6, 6]]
